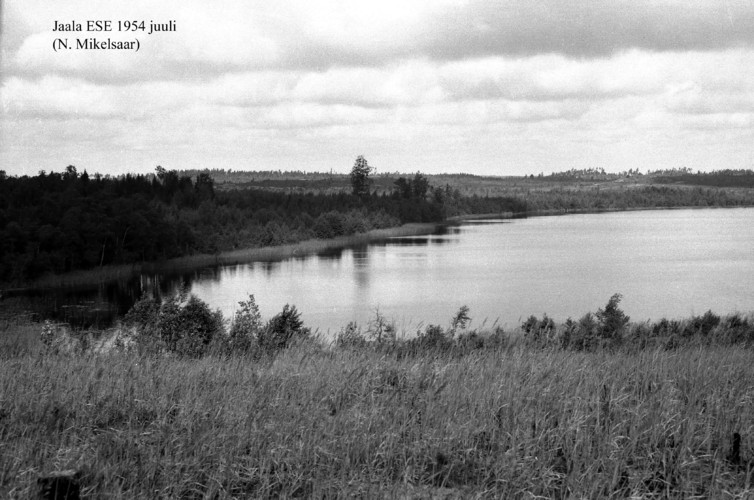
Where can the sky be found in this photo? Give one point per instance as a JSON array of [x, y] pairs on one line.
[[440, 86]]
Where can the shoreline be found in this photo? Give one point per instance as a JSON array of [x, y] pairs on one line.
[[580, 211], [89, 277]]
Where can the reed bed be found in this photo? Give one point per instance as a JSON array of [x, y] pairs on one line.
[[316, 422], [241, 256]]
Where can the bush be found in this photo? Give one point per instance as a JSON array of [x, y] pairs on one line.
[[329, 225], [380, 329], [700, 325], [434, 337], [246, 326], [606, 328], [350, 336], [460, 321], [282, 330], [186, 328], [581, 335], [471, 340], [355, 222], [141, 322], [640, 336], [735, 329], [536, 331], [612, 320]]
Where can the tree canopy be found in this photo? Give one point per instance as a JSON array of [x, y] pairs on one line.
[[360, 180]]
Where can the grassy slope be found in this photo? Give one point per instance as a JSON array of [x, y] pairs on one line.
[[499, 423]]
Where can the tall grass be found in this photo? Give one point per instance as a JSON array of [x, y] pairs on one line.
[[513, 422]]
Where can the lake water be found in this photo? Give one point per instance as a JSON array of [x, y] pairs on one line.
[[665, 263]]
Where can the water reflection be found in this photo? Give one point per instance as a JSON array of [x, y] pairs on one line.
[[269, 267], [331, 253], [361, 267], [417, 241], [478, 222], [504, 269]]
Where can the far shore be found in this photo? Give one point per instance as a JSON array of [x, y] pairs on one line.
[[577, 211], [282, 252], [228, 258]]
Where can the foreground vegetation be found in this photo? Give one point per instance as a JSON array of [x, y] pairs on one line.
[[187, 405]]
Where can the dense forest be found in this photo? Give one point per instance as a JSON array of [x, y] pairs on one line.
[[59, 222], [54, 223]]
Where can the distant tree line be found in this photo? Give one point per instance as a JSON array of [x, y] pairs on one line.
[[594, 198], [59, 222], [719, 178]]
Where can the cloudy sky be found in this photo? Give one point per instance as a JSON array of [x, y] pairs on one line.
[[479, 86]]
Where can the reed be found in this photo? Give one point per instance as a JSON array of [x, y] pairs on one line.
[[241, 256], [511, 422]]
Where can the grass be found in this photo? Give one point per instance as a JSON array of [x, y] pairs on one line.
[[509, 422]]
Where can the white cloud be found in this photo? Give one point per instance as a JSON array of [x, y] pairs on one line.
[[54, 96], [456, 83]]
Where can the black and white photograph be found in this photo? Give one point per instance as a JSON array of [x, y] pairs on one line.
[[415, 249]]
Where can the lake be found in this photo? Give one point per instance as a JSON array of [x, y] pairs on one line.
[[665, 263]]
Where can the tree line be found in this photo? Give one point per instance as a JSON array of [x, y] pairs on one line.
[[58, 222]]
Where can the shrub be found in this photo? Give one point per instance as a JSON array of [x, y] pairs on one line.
[[143, 316], [471, 340], [434, 337], [735, 329], [700, 325], [536, 331], [498, 338], [355, 222], [612, 320], [582, 335], [665, 327], [380, 329], [246, 326], [141, 327], [640, 336], [350, 336], [460, 320], [282, 330], [329, 225], [186, 328]]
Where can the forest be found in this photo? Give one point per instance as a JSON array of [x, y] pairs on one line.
[[58, 222]]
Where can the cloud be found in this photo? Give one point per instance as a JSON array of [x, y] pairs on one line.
[[207, 40], [455, 82], [56, 97], [477, 90], [348, 33], [214, 38], [590, 28]]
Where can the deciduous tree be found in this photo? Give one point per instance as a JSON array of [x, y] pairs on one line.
[[360, 180]]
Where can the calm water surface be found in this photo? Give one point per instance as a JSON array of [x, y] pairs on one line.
[[666, 263]]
